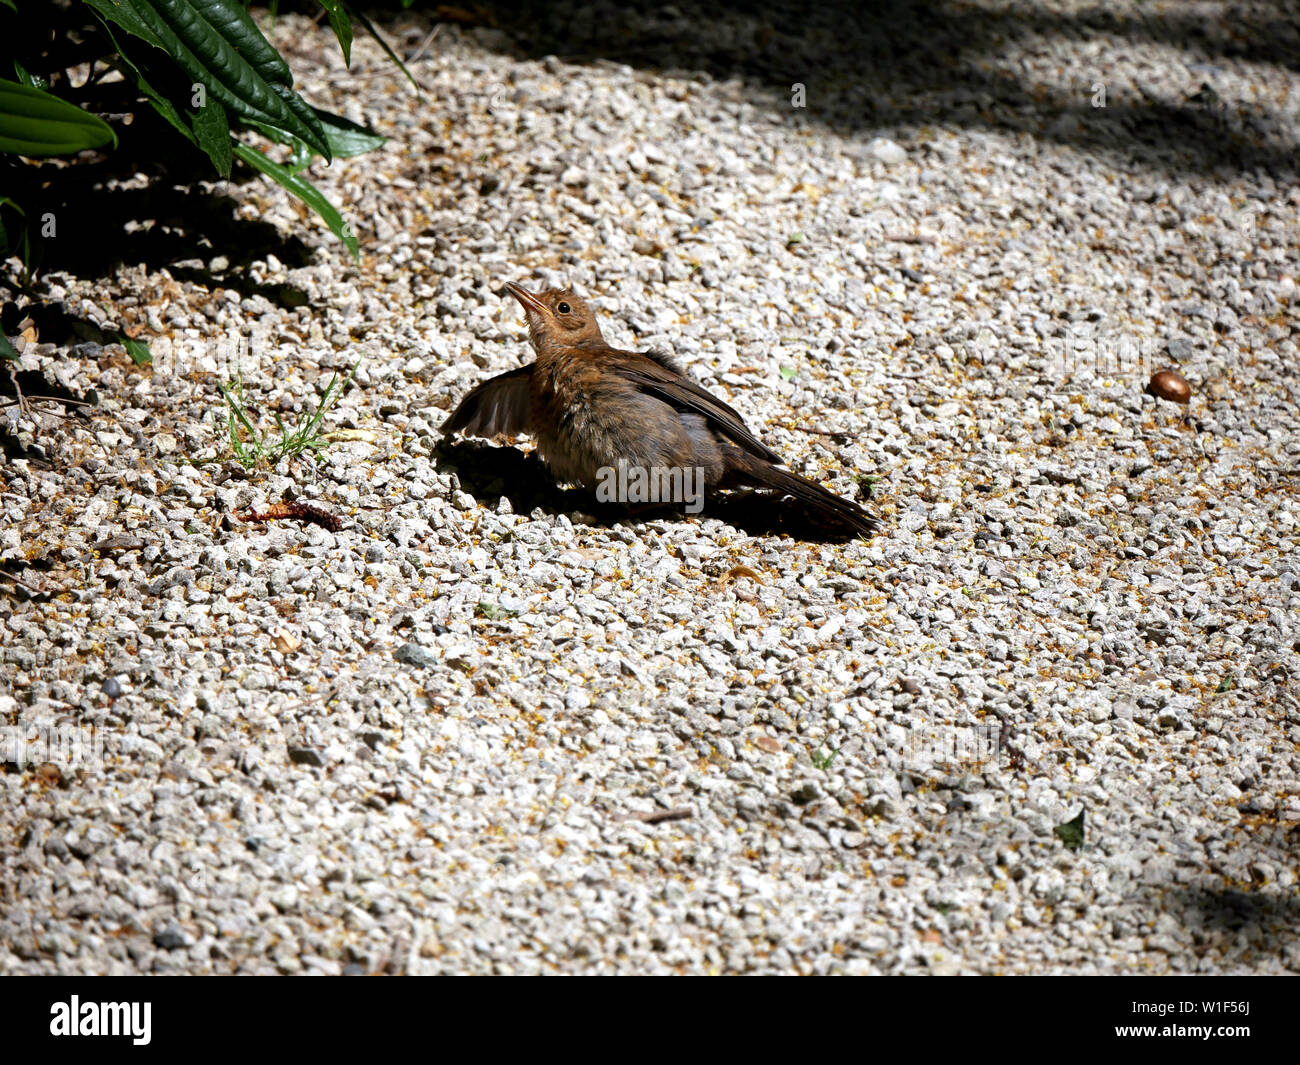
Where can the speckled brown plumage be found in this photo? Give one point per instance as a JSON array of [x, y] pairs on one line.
[[591, 407]]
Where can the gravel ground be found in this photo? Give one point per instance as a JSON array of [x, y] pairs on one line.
[[478, 728]]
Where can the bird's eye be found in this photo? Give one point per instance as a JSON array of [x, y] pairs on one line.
[[563, 308]]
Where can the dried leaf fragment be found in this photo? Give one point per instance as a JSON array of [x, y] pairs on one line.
[[307, 512]]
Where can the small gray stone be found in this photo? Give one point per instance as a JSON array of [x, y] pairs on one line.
[[415, 655], [170, 937]]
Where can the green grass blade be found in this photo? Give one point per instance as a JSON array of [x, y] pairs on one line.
[[305, 191], [369, 27]]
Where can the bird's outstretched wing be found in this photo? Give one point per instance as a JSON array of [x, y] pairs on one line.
[[657, 375], [497, 407]]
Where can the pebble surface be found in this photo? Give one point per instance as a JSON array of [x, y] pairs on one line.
[[480, 729]]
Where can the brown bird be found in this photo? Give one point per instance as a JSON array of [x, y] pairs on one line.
[[594, 409]]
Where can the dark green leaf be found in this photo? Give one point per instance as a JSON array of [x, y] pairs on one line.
[[123, 13], [38, 123], [164, 107], [301, 157], [346, 138], [7, 349], [1071, 833], [138, 350], [235, 25], [27, 79], [159, 102], [342, 26], [213, 133], [269, 132], [242, 73], [305, 191], [306, 114]]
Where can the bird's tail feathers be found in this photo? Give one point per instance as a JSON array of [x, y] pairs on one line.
[[750, 470]]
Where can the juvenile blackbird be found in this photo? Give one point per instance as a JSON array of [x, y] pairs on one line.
[[592, 407]]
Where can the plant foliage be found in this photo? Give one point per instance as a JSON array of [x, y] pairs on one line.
[[202, 66]]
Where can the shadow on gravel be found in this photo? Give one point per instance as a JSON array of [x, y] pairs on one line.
[[35, 388], [100, 225], [12, 447], [149, 200], [1265, 921], [900, 65], [487, 473]]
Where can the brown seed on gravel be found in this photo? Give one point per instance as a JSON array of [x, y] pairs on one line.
[[1170, 385]]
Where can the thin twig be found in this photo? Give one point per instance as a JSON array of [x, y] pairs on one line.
[[23, 403], [654, 817], [20, 582], [65, 400], [18, 392], [427, 41]]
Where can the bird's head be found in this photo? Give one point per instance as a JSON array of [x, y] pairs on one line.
[[557, 317]]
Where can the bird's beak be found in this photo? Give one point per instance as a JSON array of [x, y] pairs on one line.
[[529, 302]]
